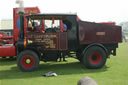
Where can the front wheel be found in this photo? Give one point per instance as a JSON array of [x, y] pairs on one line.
[[94, 57], [27, 61]]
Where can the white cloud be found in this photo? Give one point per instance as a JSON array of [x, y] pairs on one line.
[[88, 10]]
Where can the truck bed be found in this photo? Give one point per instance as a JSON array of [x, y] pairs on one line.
[[90, 32]]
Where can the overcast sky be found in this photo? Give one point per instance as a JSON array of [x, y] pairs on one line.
[[87, 10]]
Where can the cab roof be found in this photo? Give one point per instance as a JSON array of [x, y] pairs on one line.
[[49, 16]]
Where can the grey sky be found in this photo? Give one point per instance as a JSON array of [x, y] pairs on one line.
[[88, 10]]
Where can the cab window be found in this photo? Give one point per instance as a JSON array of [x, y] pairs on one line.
[[52, 26]]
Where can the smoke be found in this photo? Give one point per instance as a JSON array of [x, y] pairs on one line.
[[21, 6]]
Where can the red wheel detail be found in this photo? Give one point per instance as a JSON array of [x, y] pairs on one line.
[[25, 63], [95, 58]]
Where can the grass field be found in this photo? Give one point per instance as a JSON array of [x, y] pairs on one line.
[[115, 72]]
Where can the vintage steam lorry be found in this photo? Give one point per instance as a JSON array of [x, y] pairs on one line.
[[45, 39]]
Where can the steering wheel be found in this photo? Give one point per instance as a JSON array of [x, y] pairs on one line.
[[50, 30]]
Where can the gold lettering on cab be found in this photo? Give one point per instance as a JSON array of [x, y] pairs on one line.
[[30, 12], [47, 40], [44, 36], [100, 33]]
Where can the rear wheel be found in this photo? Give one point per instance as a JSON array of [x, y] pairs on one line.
[[28, 61], [94, 57]]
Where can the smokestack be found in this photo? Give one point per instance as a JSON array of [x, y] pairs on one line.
[[21, 17], [21, 6]]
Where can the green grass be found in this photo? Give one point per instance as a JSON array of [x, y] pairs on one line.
[[115, 72]]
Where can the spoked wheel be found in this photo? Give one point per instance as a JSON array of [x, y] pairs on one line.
[[28, 61], [94, 57]]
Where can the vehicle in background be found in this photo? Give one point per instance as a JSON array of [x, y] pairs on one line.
[[109, 23], [7, 43]]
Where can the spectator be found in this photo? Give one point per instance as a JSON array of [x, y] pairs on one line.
[[64, 27]]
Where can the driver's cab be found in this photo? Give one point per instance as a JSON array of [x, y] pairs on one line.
[[46, 25], [48, 31]]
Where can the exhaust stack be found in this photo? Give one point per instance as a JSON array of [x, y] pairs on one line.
[[21, 6], [21, 17]]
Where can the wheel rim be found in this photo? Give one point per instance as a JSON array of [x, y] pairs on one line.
[[95, 58], [27, 61]]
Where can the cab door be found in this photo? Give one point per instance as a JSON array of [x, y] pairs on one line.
[[63, 38], [63, 41], [59, 34], [53, 38]]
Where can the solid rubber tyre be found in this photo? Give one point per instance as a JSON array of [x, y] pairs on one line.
[[94, 57], [28, 61]]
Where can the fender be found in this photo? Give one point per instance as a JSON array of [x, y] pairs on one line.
[[95, 44]]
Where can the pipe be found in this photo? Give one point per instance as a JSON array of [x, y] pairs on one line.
[[21, 33], [21, 16]]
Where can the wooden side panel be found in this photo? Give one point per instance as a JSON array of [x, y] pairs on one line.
[[63, 41], [48, 41]]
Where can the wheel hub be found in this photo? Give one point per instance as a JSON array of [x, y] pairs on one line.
[[28, 61], [95, 58]]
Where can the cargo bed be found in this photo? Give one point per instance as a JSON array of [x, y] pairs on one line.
[[90, 32]]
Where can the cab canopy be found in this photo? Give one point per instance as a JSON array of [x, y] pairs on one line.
[[50, 16]]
